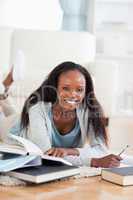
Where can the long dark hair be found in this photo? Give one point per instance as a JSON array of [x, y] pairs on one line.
[[47, 93]]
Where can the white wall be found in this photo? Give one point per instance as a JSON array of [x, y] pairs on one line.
[[31, 14], [111, 12]]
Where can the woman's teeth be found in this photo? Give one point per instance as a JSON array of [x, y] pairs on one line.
[[72, 101]]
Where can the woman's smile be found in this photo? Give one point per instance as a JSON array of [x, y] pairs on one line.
[[72, 101]]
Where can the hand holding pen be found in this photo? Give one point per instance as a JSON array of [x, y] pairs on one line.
[[110, 160]]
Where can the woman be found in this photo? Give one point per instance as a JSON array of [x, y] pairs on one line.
[[63, 115]]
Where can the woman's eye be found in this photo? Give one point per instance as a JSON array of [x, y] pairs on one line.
[[80, 90], [66, 88]]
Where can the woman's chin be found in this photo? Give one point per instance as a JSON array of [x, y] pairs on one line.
[[69, 107]]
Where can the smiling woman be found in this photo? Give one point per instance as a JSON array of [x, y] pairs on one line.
[[63, 114]]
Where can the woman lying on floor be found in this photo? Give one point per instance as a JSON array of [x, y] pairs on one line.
[[64, 118]]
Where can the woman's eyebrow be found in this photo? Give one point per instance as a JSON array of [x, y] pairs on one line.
[[67, 84]]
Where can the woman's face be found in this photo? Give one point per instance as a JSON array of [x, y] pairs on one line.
[[71, 89]]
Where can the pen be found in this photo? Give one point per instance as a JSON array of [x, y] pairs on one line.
[[123, 150]]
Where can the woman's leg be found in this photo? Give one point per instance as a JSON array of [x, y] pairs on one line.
[[16, 73], [8, 80], [7, 116], [5, 125], [2, 115], [6, 103], [7, 107]]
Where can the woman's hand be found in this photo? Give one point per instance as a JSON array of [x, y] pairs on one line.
[[107, 161], [61, 152]]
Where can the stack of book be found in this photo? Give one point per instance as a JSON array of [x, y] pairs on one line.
[[27, 162]]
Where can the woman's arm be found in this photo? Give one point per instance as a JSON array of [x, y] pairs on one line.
[[90, 156], [37, 130], [95, 156], [107, 161]]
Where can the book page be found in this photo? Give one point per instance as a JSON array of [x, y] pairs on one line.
[[30, 147], [15, 163], [11, 148]]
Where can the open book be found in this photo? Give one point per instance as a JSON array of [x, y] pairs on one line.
[[27, 154]]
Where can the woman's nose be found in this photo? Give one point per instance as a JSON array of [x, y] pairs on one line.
[[73, 93]]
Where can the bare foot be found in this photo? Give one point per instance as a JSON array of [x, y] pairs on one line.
[[9, 79]]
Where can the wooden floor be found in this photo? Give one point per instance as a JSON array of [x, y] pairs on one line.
[[92, 188]]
